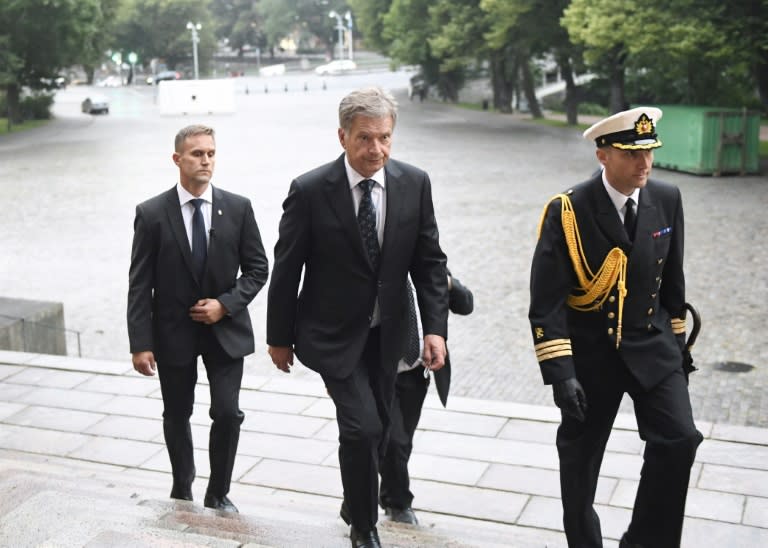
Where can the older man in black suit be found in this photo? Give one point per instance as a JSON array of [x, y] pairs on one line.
[[186, 299], [357, 227], [607, 317]]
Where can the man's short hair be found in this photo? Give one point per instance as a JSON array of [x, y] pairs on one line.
[[191, 131], [373, 102]]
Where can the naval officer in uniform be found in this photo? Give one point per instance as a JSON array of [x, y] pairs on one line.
[[607, 316]]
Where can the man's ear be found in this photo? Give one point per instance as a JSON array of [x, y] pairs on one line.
[[342, 139], [176, 158]]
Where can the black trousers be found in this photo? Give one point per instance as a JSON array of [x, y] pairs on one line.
[[177, 384], [362, 413], [665, 423], [410, 391]]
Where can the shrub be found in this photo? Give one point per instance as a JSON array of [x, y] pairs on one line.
[[37, 106]]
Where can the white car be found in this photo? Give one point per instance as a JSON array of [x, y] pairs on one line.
[[336, 67], [95, 104]]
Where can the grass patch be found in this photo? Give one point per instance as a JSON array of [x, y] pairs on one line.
[[27, 124], [763, 150]]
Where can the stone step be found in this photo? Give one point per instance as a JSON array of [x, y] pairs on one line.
[[49, 503]]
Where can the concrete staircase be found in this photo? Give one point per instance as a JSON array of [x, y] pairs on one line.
[[52, 504]]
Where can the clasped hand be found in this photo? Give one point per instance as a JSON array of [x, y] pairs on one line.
[[570, 398]]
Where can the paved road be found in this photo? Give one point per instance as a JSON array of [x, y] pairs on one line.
[[70, 190]]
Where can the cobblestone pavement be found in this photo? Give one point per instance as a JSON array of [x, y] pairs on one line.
[[71, 188]]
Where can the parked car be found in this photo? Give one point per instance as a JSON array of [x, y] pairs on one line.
[[336, 66], [112, 81], [95, 104], [164, 75]]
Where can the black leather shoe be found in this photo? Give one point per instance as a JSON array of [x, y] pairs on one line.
[[406, 515], [181, 493], [368, 539], [220, 503], [626, 543], [344, 513]]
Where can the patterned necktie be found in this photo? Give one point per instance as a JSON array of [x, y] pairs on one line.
[[630, 219], [199, 241], [412, 350], [366, 218]]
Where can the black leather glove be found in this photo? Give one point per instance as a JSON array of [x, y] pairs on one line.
[[570, 398]]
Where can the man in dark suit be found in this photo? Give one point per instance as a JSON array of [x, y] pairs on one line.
[[185, 299], [607, 315], [395, 495], [357, 227]]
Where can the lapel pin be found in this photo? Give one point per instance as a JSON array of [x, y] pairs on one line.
[[220, 213]]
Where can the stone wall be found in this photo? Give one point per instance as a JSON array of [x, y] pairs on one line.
[[32, 326]]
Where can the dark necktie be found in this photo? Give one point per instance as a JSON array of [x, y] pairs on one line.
[[199, 241], [630, 219], [412, 350], [366, 218]]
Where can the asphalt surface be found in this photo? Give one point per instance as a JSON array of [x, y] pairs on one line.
[[70, 189]]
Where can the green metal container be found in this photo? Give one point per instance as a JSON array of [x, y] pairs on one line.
[[708, 140]]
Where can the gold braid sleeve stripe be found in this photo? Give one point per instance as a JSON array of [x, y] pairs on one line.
[[593, 289], [553, 349], [678, 326]]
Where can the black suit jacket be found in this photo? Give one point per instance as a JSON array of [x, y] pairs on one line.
[[328, 321], [650, 346], [163, 286], [460, 301]]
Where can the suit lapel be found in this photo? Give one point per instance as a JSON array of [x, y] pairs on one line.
[[607, 217], [647, 222], [340, 198], [395, 202], [219, 215], [173, 209]]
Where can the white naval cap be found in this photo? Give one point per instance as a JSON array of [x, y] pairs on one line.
[[633, 129]]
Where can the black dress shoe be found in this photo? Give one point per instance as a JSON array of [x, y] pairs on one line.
[[181, 493], [367, 539], [626, 543], [405, 515], [220, 503], [344, 513]]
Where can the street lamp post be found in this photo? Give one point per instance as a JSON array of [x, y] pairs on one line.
[[194, 27], [340, 29], [348, 17]]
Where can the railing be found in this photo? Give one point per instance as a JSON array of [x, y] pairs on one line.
[[43, 325]]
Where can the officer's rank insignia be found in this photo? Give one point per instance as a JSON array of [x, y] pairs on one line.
[[539, 333], [644, 125]]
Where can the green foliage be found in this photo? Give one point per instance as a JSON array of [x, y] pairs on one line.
[[369, 20], [37, 106], [157, 29]]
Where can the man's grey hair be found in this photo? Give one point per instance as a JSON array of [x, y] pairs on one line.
[[373, 102], [191, 131]]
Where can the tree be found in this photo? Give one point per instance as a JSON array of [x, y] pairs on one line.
[[369, 19], [240, 22], [308, 18], [157, 29], [39, 39]]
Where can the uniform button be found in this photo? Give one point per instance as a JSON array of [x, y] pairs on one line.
[[370, 319], [658, 278], [611, 299], [380, 283], [650, 311], [653, 295], [611, 315], [610, 330], [650, 327], [659, 260]]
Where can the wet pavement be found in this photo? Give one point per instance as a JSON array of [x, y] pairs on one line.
[[83, 463], [70, 189]]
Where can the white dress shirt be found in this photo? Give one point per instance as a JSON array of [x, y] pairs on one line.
[[187, 210], [379, 197], [620, 200]]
